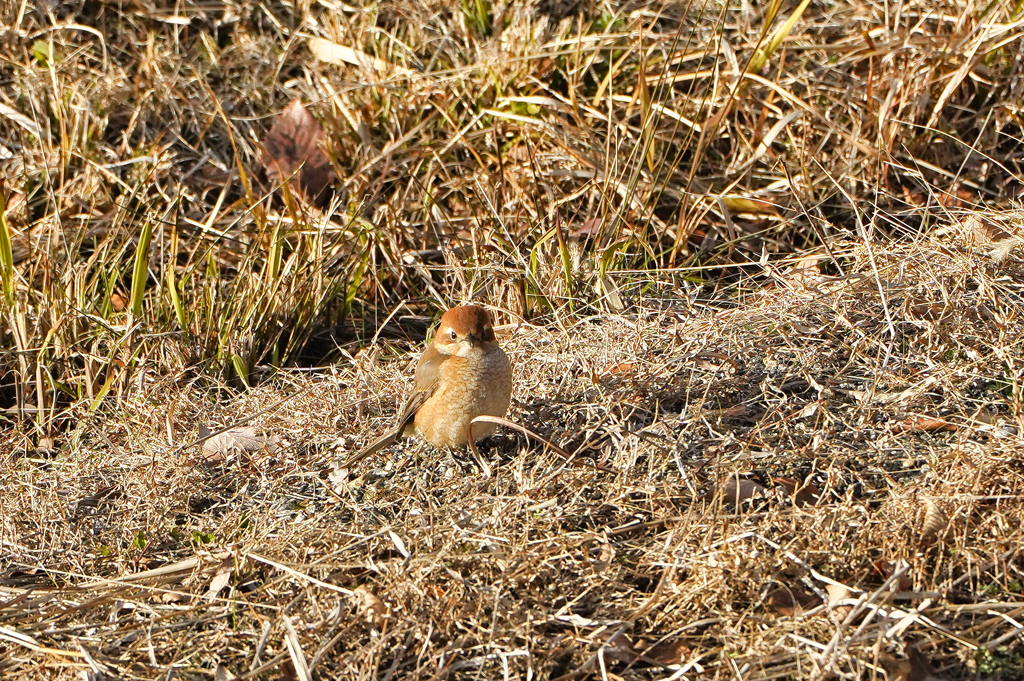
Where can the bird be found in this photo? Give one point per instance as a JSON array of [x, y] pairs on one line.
[[462, 374]]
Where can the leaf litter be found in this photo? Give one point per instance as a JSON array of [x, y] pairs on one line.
[[292, 153]]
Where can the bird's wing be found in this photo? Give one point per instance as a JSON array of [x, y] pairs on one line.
[[428, 376]]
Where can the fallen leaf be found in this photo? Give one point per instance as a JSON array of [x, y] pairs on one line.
[[790, 601], [292, 153], [736, 412], [604, 558], [806, 270], [982, 415], [804, 494], [610, 373], [399, 544], [338, 477], [739, 204], [117, 302], [220, 579], [924, 424], [928, 311], [934, 524], [371, 607], [606, 287], [291, 639], [669, 652], [175, 597], [105, 493], [886, 569], [735, 491], [916, 667], [980, 231], [920, 667], [435, 590], [333, 53], [287, 671], [836, 594], [809, 410], [235, 440], [223, 674], [620, 369], [895, 668], [619, 648], [588, 229], [805, 329]]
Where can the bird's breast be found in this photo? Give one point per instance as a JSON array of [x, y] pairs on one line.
[[467, 387]]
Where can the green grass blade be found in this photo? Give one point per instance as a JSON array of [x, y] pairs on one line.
[[172, 290], [767, 50], [243, 372], [141, 271], [6, 251]]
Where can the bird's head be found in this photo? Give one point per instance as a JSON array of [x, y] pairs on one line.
[[465, 331]]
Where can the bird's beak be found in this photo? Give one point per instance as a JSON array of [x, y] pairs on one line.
[[474, 340]]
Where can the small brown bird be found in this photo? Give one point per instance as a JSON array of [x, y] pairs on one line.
[[463, 374]]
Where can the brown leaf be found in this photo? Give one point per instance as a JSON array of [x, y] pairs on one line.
[[836, 594], [804, 494], [886, 569], [612, 372], [620, 369], [221, 578], [669, 652], [619, 648], [735, 491], [789, 601], [287, 671], [604, 558], [916, 667], [333, 53], [371, 607], [171, 597], [895, 668], [924, 423], [934, 524], [736, 412], [292, 148], [223, 674], [929, 312], [805, 270], [920, 666], [983, 415], [235, 440], [589, 228]]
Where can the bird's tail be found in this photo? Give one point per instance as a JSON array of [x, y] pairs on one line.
[[386, 440]]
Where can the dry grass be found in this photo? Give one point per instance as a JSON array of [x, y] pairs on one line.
[[733, 257], [548, 568]]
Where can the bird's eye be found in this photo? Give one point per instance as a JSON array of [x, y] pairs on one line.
[[451, 333]]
